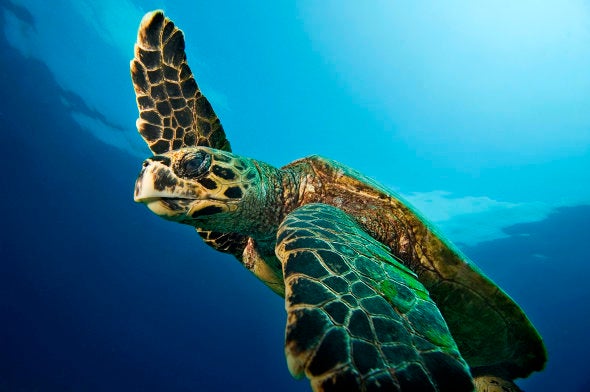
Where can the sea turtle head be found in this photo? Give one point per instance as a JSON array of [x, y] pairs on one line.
[[200, 186]]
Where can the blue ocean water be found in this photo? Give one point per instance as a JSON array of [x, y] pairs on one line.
[[484, 126]]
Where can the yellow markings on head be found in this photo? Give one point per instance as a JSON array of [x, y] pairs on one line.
[[198, 184], [229, 177]]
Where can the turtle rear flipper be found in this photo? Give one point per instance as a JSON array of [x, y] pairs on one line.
[[172, 111], [489, 383], [358, 320]]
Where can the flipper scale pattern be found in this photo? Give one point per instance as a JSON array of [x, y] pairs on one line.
[[172, 111], [358, 320]]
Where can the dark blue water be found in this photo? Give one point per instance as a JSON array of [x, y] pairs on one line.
[[98, 294]]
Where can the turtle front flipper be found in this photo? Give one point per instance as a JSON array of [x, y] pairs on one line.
[[358, 320], [172, 111]]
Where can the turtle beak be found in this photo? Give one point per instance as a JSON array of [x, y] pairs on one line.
[[157, 180], [145, 184], [155, 187]]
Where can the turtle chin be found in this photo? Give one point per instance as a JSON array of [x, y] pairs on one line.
[[173, 209], [198, 213]]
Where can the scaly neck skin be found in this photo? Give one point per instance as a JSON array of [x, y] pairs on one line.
[[276, 196]]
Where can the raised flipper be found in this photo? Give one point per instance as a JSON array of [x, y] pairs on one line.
[[357, 319], [172, 111]]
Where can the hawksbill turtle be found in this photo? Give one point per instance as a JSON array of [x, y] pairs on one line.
[[376, 299]]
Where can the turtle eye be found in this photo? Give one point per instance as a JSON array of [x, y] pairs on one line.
[[195, 164]]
